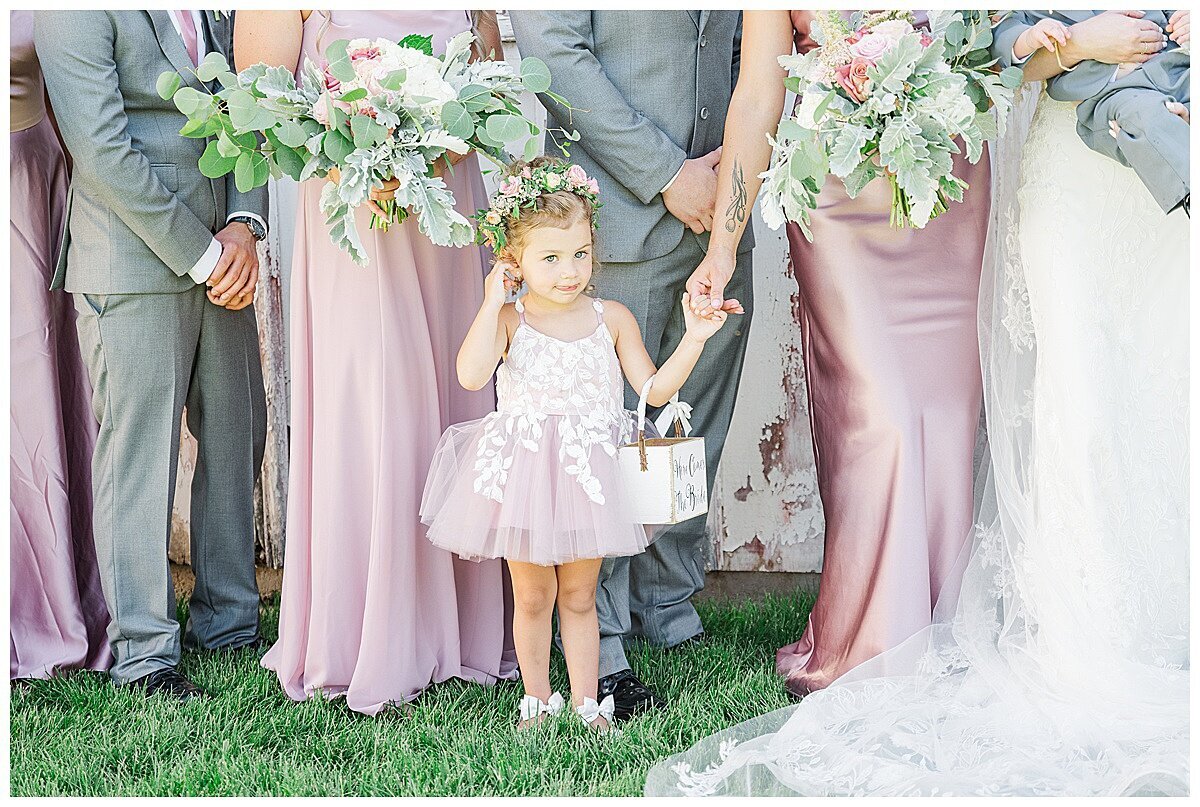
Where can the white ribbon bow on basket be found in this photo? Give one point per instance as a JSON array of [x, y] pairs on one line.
[[677, 412]]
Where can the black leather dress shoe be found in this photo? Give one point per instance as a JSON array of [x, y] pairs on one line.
[[169, 683], [630, 695]]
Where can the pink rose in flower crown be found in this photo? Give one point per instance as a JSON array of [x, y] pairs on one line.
[[872, 46], [854, 80], [510, 186], [593, 186], [577, 176]]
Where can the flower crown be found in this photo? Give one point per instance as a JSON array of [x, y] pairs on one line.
[[523, 189]]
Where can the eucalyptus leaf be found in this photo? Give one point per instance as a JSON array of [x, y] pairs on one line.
[[531, 148], [535, 75], [339, 61], [212, 164], [291, 161], [212, 65], [337, 146], [457, 120], [226, 147], [354, 95], [290, 133], [394, 80], [507, 128], [168, 82], [250, 171], [189, 100]]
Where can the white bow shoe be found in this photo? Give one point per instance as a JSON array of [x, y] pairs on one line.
[[533, 708], [590, 711]]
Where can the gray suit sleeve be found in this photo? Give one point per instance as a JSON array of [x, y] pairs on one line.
[[1005, 34], [620, 138], [76, 51]]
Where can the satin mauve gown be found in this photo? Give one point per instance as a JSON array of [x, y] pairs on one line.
[[57, 615], [892, 359], [371, 609]]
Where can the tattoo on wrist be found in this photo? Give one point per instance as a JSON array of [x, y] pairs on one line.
[[735, 214]]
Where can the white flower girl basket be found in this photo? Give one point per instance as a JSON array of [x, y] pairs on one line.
[[664, 478]]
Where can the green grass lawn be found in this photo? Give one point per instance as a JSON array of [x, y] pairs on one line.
[[78, 735]]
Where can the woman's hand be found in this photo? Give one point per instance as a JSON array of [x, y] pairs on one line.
[[1180, 26], [1115, 37], [706, 286], [501, 282], [383, 194]]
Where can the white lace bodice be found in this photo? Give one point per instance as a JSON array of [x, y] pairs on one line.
[[573, 388]]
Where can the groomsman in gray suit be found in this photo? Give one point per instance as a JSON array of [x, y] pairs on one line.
[[162, 263], [651, 89]]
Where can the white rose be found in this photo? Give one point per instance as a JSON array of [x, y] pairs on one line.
[[893, 29], [553, 180], [807, 108]]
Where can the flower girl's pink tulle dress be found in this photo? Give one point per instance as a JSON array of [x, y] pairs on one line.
[[536, 481]]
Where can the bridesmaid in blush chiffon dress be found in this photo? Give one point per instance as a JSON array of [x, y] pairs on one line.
[[891, 350], [371, 609], [57, 616]]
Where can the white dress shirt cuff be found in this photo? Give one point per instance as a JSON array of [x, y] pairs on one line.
[[1017, 61], [203, 269], [667, 187], [247, 213]]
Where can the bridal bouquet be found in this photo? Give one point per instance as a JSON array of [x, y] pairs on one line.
[[881, 98], [377, 110]]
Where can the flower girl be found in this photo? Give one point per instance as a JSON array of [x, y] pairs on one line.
[[536, 482]]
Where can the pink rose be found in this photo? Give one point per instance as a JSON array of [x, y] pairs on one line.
[[331, 83], [854, 80], [856, 36], [361, 54], [577, 175], [593, 186], [320, 110], [872, 46], [510, 186], [527, 172], [926, 40]]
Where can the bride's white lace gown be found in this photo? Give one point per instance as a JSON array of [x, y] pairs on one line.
[[1062, 667]]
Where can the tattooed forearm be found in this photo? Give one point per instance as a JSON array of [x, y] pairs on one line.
[[735, 214]]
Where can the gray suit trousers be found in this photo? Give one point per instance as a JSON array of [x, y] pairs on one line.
[[648, 595], [149, 356]]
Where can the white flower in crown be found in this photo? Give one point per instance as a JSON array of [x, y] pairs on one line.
[[553, 180]]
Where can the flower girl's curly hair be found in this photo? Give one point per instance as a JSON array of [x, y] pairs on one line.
[[527, 201]]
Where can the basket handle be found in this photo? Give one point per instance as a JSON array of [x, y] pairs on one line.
[[641, 422]]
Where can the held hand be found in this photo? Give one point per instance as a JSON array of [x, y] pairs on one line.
[[1048, 34], [236, 303], [236, 271], [706, 286], [701, 328], [1116, 37], [1180, 26], [693, 195], [501, 281]]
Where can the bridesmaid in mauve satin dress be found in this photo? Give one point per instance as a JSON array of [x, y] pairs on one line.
[[371, 609], [57, 616], [888, 319]]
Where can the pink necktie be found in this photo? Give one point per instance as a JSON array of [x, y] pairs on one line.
[[187, 28]]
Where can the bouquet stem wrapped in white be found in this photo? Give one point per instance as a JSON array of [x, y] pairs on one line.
[[376, 111], [880, 97]]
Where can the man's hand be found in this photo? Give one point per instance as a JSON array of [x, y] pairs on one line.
[[693, 194], [236, 272]]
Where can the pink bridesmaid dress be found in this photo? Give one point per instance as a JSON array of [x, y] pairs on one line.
[[892, 360], [57, 616], [371, 609]]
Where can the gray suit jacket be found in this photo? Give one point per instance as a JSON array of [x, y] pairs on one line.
[[139, 212], [1089, 77], [651, 90]]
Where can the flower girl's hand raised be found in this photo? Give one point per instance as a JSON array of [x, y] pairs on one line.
[[702, 328], [501, 281]]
